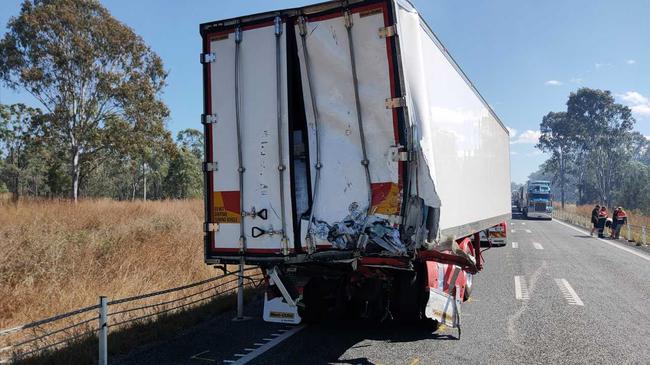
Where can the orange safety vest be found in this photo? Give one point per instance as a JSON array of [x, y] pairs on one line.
[[621, 214]]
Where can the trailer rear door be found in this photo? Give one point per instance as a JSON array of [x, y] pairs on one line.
[[334, 128], [245, 199]]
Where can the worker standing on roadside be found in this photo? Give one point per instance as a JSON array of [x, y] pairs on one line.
[[612, 230], [620, 219], [594, 219], [602, 220]]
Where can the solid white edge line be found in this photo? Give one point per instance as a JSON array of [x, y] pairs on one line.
[[630, 250], [538, 246], [571, 294], [269, 345]]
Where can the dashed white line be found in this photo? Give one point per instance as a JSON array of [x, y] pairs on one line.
[[512, 231], [523, 224], [528, 231], [538, 246], [515, 245], [567, 291], [272, 342], [521, 290], [630, 250]]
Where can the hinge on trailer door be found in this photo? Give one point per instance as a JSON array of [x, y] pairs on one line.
[[208, 118], [210, 227], [401, 156], [208, 57], [210, 166], [392, 103], [386, 32]]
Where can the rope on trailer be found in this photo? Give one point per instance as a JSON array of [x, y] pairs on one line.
[[240, 169], [281, 167], [355, 81], [302, 26]]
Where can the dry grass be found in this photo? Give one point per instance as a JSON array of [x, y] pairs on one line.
[[581, 215], [58, 256]]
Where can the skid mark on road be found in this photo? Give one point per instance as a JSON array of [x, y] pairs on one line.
[[515, 245], [567, 291], [513, 334], [538, 246], [252, 353]]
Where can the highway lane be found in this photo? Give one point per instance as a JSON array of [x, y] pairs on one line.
[[576, 300]]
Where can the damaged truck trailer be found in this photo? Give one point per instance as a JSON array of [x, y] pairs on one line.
[[350, 158]]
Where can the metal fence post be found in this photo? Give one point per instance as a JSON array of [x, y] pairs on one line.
[[103, 330], [629, 234], [240, 290], [643, 235]]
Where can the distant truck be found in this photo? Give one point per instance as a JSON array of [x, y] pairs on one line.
[[536, 200], [350, 158]]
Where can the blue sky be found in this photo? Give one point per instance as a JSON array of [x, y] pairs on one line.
[[523, 56]]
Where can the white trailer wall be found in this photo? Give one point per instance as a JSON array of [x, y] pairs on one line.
[[464, 147]]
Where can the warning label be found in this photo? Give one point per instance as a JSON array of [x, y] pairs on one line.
[[225, 207]]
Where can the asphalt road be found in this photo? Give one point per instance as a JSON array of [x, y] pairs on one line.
[[552, 295]]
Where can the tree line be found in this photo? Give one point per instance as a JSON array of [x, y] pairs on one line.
[[596, 156], [98, 129]]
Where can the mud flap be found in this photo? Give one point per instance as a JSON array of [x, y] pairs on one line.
[[443, 308], [278, 311]]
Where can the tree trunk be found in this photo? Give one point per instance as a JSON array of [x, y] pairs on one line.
[[75, 173], [144, 179]]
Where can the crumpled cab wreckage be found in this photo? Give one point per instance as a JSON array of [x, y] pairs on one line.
[[348, 156]]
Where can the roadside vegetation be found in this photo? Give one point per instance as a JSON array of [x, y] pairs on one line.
[[58, 256], [596, 156], [581, 215]]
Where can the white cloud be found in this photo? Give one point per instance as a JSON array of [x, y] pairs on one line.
[[639, 104], [512, 131], [630, 62], [647, 137], [577, 80], [528, 137], [553, 83], [601, 65]]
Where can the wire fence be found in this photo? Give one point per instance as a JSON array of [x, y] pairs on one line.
[[35, 338], [632, 233]]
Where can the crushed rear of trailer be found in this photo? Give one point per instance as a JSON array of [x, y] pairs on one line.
[[348, 155]]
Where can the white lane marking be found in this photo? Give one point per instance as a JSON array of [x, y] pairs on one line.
[[269, 345], [538, 246], [515, 245], [523, 224], [630, 250], [569, 294], [528, 231], [521, 290], [228, 361], [512, 231]]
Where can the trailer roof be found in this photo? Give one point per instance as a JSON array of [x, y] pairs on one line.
[[333, 5]]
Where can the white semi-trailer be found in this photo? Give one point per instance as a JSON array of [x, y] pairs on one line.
[[348, 156]]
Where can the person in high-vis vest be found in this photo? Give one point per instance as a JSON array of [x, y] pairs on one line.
[[620, 219]]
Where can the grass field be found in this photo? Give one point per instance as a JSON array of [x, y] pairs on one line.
[[581, 215], [58, 256]]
